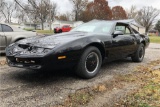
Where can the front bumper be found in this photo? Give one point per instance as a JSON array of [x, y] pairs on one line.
[[32, 63], [46, 63]]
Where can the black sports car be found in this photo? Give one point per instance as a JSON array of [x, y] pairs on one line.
[[84, 48]]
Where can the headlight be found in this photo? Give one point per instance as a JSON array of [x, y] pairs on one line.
[[36, 51]]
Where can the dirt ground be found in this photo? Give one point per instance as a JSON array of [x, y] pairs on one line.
[[22, 87]]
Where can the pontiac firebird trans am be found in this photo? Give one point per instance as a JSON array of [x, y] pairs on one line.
[[84, 48]]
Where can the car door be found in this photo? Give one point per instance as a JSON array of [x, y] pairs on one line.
[[63, 28], [125, 44], [67, 28], [2, 40]]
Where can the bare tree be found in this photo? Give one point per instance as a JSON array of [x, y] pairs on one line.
[[20, 14], [39, 10], [53, 11], [78, 7], [132, 12], [146, 17], [7, 9]]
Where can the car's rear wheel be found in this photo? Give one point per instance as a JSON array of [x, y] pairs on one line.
[[90, 63], [139, 55]]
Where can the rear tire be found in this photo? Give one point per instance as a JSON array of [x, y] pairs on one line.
[[90, 63], [139, 55]]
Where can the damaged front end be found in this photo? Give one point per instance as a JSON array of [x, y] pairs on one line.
[[26, 55]]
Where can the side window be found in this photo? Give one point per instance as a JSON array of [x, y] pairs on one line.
[[6, 28], [120, 28], [66, 26], [0, 28]]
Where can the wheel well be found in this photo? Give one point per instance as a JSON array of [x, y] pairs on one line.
[[100, 47], [18, 39]]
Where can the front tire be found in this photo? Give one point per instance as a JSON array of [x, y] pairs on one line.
[[139, 55], [90, 63]]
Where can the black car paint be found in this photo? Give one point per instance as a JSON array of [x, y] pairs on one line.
[[72, 45]]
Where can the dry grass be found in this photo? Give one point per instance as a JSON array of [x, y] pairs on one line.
[[149, 94], [85, 95], [3, 62]]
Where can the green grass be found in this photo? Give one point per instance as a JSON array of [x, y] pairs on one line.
[[45, 31], [28, 29], [154, 39]]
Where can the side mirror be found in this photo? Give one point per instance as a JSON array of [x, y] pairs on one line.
[[116, 33]]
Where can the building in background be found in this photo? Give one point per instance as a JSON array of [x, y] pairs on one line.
[[46, 25], [58, 23], [153, 32]]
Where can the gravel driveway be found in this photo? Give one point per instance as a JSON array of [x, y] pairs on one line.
[[21, 87]]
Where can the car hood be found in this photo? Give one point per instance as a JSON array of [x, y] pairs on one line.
[[53, 40]]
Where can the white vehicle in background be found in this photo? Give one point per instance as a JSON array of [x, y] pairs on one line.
[[10, 34]]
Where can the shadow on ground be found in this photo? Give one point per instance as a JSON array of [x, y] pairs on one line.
[[42, 77]]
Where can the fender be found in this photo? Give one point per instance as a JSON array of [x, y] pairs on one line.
[[97, 43]]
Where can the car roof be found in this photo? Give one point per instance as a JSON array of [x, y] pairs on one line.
[[114, 21], [125, 21]]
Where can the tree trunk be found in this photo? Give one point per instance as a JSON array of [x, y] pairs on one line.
[[146, 30], [42, 25], [35, 26], [76, 16]]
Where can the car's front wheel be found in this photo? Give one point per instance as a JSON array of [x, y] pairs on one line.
[[139, 55], [90, 63]]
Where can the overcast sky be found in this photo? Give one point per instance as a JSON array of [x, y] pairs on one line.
[[65, 5]]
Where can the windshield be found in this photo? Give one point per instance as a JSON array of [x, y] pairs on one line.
[[98, 27]]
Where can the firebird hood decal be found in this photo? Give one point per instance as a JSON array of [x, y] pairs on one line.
[[53, 40]]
